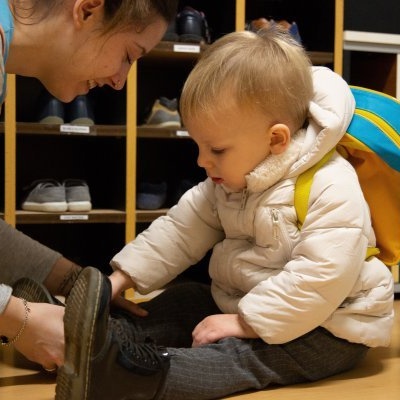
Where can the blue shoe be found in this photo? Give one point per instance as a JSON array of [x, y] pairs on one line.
[[80, 111], [151, 196], [51, 110]]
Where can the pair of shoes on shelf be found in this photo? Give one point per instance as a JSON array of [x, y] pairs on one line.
[[49, 195], [263, 23], [189, 26], [53, 111], [164, 114]]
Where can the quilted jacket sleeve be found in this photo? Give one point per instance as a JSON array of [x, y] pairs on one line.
[[173, 242]]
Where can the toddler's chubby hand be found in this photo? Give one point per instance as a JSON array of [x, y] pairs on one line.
[[121, 282], [219, 326]]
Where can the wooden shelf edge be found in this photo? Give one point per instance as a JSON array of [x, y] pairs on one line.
[[162, 133], [34, 128], [94, 216]]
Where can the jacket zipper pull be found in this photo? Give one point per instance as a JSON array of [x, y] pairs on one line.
[[275, 223], [244, 199]]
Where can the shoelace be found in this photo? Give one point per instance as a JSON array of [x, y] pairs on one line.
[[145, 354]]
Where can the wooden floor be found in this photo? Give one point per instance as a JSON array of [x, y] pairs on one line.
[[377, 378]]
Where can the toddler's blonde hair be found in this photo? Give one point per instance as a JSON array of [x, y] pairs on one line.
[[267, 69]]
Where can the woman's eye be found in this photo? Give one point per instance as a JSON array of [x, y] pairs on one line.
[[217, 151]]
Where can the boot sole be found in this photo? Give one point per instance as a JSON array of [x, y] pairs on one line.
[[80, 317], [33, 292]]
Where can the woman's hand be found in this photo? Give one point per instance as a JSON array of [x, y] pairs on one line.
[[219, 326], [42, 340]]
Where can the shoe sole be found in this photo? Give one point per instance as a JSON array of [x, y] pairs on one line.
[[79, 206], [191, 38], [166, 124], [33, 292], [82, 121], [46, 207], [52, 120], [80, 317]]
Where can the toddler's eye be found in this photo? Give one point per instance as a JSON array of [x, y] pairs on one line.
[[217, 151]]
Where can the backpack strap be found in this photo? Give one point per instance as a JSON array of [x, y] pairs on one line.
[[302, 194], [303, 187]]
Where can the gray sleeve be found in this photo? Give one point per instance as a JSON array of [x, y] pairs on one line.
[[5, 294], [21, 256]]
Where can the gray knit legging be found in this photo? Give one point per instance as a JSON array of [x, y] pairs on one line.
[[232, 365]]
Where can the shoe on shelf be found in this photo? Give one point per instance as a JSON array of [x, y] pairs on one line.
[[151, 196], [80, 111], [192, 26], [263, 23], [34, 292], [171, 35], [102, 359], [164, 114], [77, 194], [51, 110], [46, 195]]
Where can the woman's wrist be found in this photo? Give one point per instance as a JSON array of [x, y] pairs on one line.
[[13, 320], [62, 277]]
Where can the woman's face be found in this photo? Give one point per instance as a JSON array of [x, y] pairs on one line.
[[94, 60]]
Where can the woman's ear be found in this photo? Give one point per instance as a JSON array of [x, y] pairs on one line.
[[84, 10], [280, 138]]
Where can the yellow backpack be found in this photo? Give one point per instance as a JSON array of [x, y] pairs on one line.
[[372, 146]]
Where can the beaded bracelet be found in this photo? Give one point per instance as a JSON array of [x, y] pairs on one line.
[[4, 341]]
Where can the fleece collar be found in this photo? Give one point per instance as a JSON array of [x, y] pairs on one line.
[[274, 167]]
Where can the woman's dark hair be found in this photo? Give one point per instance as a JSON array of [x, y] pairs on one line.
[[118, 14]]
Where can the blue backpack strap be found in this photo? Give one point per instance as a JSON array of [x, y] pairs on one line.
[[375, 125], [7, 26]]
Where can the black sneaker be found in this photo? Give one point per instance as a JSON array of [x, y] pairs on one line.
[[102, 361]]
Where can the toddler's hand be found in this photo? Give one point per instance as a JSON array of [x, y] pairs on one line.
[[219, 326], [121, 282]]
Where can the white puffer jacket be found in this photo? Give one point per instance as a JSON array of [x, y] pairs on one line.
[[284, 282]]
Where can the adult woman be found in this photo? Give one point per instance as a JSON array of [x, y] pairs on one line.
[[71, 46]]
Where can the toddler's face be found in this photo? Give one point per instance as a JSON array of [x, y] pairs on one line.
[[231, 145]]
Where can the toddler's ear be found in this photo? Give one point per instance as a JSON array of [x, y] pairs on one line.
[[280, 138]]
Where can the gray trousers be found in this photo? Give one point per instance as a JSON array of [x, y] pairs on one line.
[[232, 365]]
